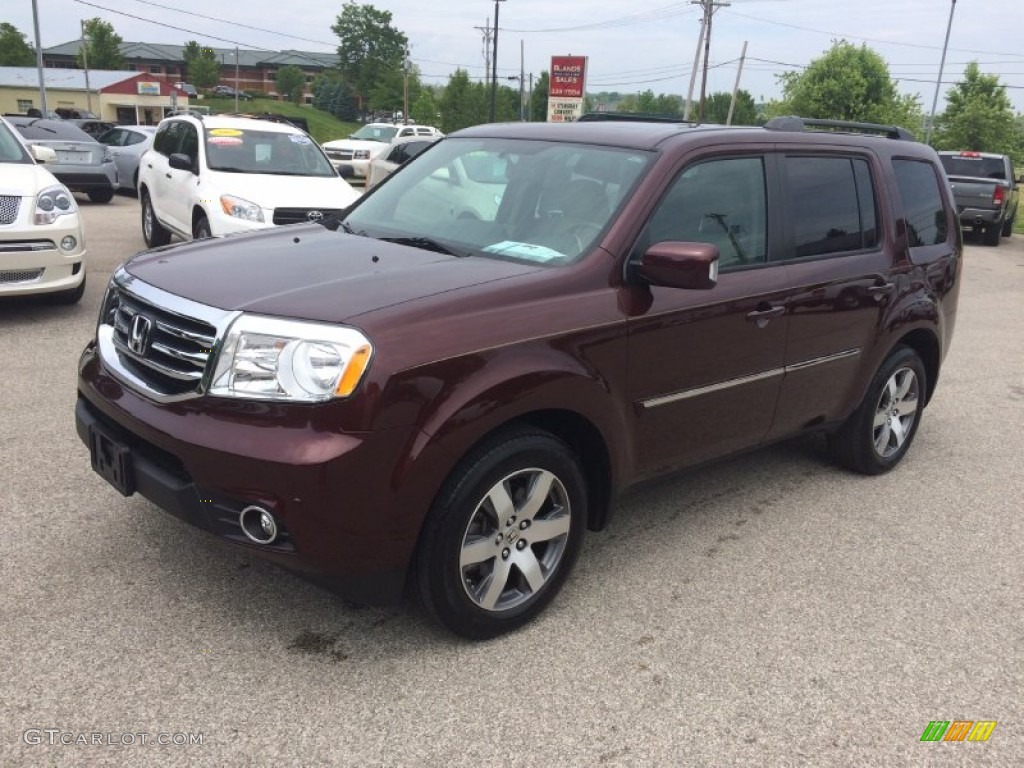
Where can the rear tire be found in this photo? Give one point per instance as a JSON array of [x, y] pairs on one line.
[[502, 535], [152, 231], [101, 195], [991, 235], [1008, 226], [879, 433]]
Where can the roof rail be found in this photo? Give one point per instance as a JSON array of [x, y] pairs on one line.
[[794, 123], [631, 117]]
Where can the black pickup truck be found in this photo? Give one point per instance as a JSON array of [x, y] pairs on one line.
[[985, 190]]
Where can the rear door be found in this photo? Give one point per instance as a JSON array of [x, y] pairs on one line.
[[157, 171], [842, 273]]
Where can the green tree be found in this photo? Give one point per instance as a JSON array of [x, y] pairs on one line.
[[291, 83], [103, 45], [846, 83], [717, 109], [333, 95], [539, 99], [463, 103], [424, 109], [201, 64], [388, 93], [978, 116], [14, 48], [370, 49]]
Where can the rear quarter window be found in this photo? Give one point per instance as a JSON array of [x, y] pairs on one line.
[[927, 223]]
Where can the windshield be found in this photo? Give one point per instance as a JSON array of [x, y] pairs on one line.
[[234, 150], [11, 150], [384, 133], [532, 201], [973, 166]]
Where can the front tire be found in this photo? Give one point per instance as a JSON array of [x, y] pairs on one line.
[[502, 535], [71, 296], [201, 229], [879, 433], [152, 231]]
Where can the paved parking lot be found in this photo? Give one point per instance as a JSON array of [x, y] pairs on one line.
[[770, 610]]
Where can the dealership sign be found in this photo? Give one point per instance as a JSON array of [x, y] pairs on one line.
[[566, 86]]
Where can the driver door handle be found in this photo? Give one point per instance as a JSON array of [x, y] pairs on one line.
[[763, 315]]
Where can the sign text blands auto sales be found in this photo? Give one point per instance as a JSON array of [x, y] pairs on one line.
[[566, 88]]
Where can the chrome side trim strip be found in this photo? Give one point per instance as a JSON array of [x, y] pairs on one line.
[[654, 402]]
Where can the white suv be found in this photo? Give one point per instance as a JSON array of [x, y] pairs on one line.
[[352, 156], [42, 242], [211, 176]]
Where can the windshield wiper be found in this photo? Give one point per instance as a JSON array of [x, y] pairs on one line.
[[422, 242]]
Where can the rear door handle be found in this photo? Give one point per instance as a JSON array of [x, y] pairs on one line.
[[766, 314], [168, 176], [879, 289]]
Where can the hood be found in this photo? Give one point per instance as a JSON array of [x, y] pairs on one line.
[[310, 272], [373, 146], [277, 191], [24, 179]]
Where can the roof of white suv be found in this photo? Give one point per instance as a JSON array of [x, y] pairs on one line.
[[231, 121]]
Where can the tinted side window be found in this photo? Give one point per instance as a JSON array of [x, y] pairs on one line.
[[922, 202], [721, 202], [131, 137], [189, 141], [167, 138], [831, 204]]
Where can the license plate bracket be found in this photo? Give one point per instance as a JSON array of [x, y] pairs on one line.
[[111, 460]]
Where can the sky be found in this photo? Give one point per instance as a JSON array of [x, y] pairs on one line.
[[632, 47]]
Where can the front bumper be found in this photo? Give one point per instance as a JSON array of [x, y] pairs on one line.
[[32, 261], [205, 461]]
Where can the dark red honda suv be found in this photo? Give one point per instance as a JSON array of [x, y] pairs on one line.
[[441, 390]]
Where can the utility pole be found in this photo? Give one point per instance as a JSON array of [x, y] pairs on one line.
[[85, 66], [938, 81], [709, 7], [236, 78], [693, 71], [736, 85], [405, 90], [494, 63], [522, 80], [39, 59], [486, 31], [529, 103]]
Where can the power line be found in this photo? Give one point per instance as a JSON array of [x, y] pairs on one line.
[[867, 39], [656, 14]]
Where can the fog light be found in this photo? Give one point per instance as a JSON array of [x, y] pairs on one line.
[[258, 525], [68, 243]]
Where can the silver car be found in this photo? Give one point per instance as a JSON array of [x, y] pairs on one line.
[[127, 143], [82, 164]]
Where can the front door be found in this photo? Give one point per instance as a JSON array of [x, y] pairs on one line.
[[705, 366]]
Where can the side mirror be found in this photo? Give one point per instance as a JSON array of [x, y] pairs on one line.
[[42, 154], [181, 162], [693, 266], [442, 174]]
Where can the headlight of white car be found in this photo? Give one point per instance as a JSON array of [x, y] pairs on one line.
[[267, 358], [361, 154], [52, 203], [240, 209]]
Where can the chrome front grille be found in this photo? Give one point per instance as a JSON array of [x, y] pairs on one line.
[[299, 215], [9, 209], [158, 342], [339, 154]]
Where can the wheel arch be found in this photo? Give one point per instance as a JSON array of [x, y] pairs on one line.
[[926, 344]]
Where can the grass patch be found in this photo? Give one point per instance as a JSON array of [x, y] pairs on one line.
[[1018, 224], [322, 126]]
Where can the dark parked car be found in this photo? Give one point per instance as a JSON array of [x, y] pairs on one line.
[[229, 92], [986, 191], [94, 128], [82, 164], [409, 397]]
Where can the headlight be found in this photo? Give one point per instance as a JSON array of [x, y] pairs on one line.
[[267, 358], [361, 154], [241, 209], [52, 203]]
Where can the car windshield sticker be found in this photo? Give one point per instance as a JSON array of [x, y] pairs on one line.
[[298, 138], [224, 132], [224, 141], [524, 251]]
